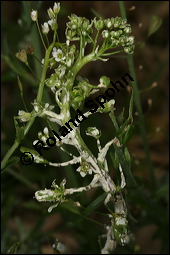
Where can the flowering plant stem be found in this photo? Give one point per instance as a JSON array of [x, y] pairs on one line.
[[137, 101], [71, 91], [32, 119]]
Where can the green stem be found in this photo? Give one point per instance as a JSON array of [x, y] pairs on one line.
[[41, 35], [38, 60], [8, 154], [138, 107], [80, 63], [95, 40], [38, 99], [27, 64], [46, 61]]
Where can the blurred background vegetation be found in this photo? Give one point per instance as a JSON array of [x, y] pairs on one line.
[[26, 225]]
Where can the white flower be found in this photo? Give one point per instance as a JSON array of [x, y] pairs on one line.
[[56, 8], [83, 170], [42, 61], [34, 15], [45, 28], [51, 13], [131, 39], [53, 24], [57, 54]]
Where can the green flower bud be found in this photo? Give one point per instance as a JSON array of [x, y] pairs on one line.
[[107, 106], [117, 22], [51, 14], [104, 80], [52, 63], [73, 49], [53, 81], [99, 24], [85, 24], [127, 30], [105, 33], [56, 8], [129, 49], [123, 23], [53, 24], [108, 23], [115, 34]]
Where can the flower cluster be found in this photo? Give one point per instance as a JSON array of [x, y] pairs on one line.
[[115, 32], [52, 13], [70, 91]]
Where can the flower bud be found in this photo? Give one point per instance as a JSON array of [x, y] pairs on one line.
[[24, 116], [99, 24], [56, 8], [105, 33], [127, 30], [53, 24], [85, 24], [104, 80], [108, 105], [34, 15], [51, 14], [108, 23], [45, 28], [117, 22], [129, 49]]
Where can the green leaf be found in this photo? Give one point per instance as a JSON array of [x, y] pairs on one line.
[[155, 24], [128, 131], [17, 68], [161, 192], [121, 117], [70, 206], [95, 204], [19, 131], [14, 248]]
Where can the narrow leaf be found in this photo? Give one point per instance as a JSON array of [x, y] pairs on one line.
[[155, 24]]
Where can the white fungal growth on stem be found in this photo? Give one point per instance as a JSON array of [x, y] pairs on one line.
[[70, 91]]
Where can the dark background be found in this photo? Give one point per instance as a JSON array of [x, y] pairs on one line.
[[25, 220]]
